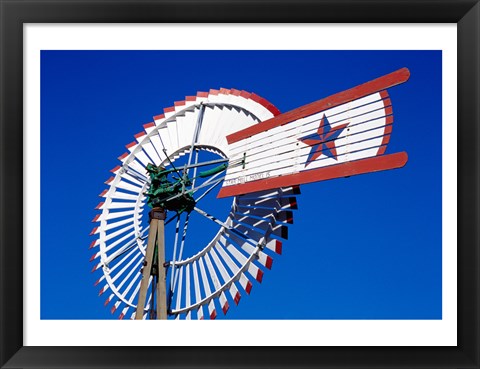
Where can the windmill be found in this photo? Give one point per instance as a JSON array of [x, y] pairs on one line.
[[258, 157]]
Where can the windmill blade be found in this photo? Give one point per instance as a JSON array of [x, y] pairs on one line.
[[234, 268], [187, 291], [276, 192], [216, 283], [342, 135], [252, 218], [186, 123], [196, 283], [153, 136], [206, 286], [140, 155], [148, 147], [255, 231], [226, 277], [120, 195]]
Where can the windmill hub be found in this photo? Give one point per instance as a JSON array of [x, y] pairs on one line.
[[168, 194]]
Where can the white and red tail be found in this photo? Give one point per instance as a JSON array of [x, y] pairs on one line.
[[339, 136]]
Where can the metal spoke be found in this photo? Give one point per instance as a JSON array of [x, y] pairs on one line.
[[208, 190], [166, 154], [127, 247], [139, 182], [198, 125], [111, 270], [196, 130], [172, 218], [210, 162], [132, 270], [135, 174], [131, 244], [120, 273], [195, 169], [119, 241], [143, 232], [212, 218], [129, 287], [185, 227], [172, 274], [224, 225], [154, 137]]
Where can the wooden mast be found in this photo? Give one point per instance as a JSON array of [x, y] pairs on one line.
[[156, 237]]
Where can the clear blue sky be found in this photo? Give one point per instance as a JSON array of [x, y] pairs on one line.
[[365, 247]]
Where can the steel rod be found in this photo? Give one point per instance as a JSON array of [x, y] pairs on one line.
[[207, 191], [177, 231], [198, 125], [185, 227], [224, 225]]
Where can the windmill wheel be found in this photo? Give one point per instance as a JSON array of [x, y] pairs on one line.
[[202, 279]]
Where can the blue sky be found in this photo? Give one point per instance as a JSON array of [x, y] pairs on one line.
[[365, 247]]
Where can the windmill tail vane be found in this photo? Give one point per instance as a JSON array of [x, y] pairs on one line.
[[341, 135]]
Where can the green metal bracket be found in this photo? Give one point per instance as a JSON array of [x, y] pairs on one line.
[[211, 172], [162, 190]]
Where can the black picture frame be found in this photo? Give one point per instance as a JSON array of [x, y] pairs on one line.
[[14, 13]]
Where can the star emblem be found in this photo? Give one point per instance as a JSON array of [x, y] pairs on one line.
[[323, 141]]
